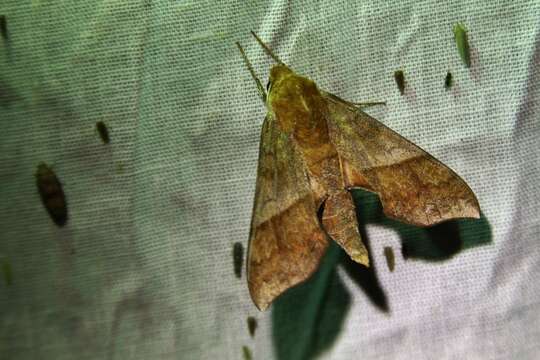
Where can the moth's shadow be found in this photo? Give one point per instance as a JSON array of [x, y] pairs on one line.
[[307, 318], [436, 243]]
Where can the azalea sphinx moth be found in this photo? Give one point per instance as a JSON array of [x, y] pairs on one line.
[[3, 28], [314, 148]]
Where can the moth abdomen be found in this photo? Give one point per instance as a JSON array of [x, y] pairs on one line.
[[51, 193]]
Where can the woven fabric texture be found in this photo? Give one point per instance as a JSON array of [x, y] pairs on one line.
[[143, 269]]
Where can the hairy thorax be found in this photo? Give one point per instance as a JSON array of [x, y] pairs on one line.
[[300, 110]]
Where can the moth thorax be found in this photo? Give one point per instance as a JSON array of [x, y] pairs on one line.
[[298, 107]]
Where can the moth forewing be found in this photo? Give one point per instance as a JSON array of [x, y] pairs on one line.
[[247, 353], [399, 77]]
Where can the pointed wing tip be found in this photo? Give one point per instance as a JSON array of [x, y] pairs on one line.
[[362, 259], [260, 303], [262, 306]]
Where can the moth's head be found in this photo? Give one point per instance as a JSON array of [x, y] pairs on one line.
[[285, 83], [278, 73]]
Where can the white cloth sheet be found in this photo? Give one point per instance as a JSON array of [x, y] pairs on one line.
[[143, 269]]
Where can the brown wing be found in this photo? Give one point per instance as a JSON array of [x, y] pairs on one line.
[[286, 240], [413, 186]]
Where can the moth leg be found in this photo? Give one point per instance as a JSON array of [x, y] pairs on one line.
[[339, 221]]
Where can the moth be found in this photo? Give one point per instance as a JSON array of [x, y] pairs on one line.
[[315, 147], [448, 81], [238, 258], [103, 132], [462, 43], [390, 260], [400, 80], [52, 195], [252, 325]]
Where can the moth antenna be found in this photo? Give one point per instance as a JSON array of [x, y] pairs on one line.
[[267, 49], [260, 88]]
